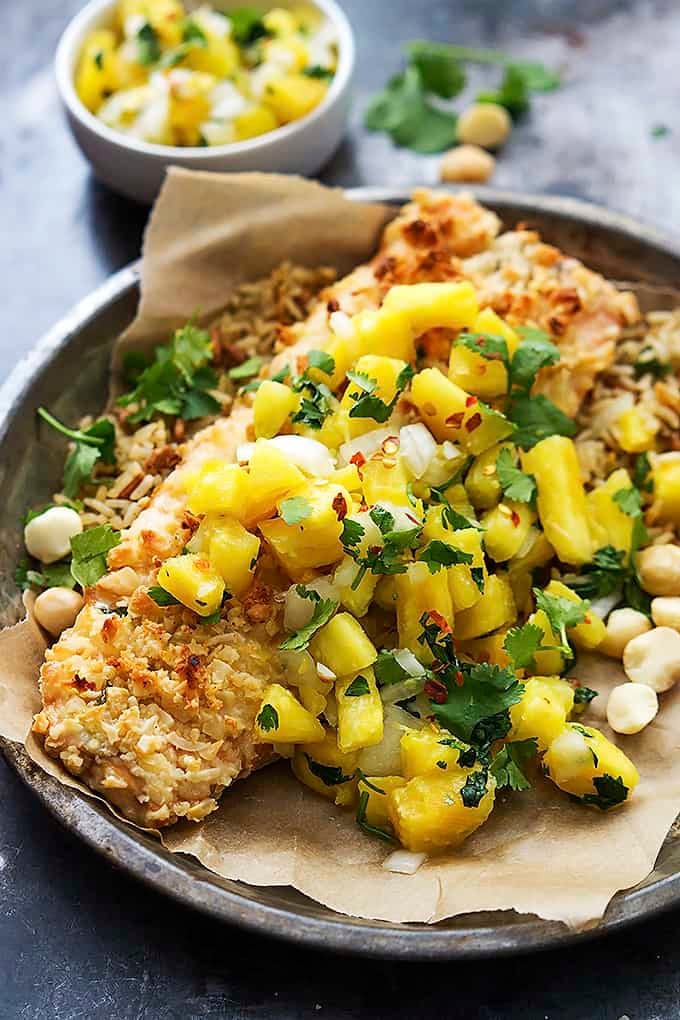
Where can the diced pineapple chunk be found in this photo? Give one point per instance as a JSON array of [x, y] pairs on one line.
[[472, 371], [636, 429], [327, 770], [272, 476], [377, 788], [385, 480], [591, 632], [506, 529], [432, 305], [542, 711], [360, 711], [96, 73], [233, 552], [464, 590], [609, 524], [429, 814], [426, 750], [451, 413], [488, 321], [217, 488], [282, 719], [343, 646], [385, 372], [256, 120], [166, 17], [189, 107], [487, 649], [293, 96], [585, 764], [356, 599], [481, 482], [496, 608], [548, 660], [348, 477], [561, 501], [666, 478], [194, 582], [315, 540], [219, 56], [384, 331], [344, 350], [279, 21], [418, 592], [274, 403]]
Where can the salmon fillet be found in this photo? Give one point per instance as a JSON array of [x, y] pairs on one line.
[[155, 710]]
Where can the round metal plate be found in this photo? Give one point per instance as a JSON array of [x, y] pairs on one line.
[[68, 370]]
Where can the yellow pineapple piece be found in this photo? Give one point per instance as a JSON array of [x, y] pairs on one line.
[[217, 488], [219, 57], [189, 107], [608, 523], [418, 592], [348, 477], [385, 480], [591, 632], [233, 552], [666, 478], [481, 482], [315, 540], [274, 403], [272, 476], [355, 597], [463, 588], [433, 305], [280, 22], [384, 331], [495, 608], [194, 582], [507, 527], [579, 759], [327, 770], [293, 96], [256, 120], [473, 372], [429, 814], [561, 501], [542, 711], [343, 646], [385, 372], [487, 649], [548, 660], [377, 788], [429, 749], [96, 74], [282, 719], [636, 429], [451, 413], [360, 711], [166, 17]]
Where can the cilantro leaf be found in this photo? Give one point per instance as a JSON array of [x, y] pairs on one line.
[[486, 692], [522, 643], [536, 351], [493, 348], [323, 610], [651, 366], [358, 687], [513, 93], [330, 775], [562, 614], [388, 669], [89, 549], [352, 533], [148, 45], [537, 418], [603, 575], [629, 500], [268, 719], [610, 792], [507, 765], [161, 597], [316, 402], [52, 575], [404, 112], [584, 695], [516, 485], [474, 788], [641, 472], [247, 368], [97, 442], [538, 77], [192, 32], [324, 362], [438, 554], [78, 468], [456, 521], [317, 71], [295, 509], [438, 73], [247, 25]]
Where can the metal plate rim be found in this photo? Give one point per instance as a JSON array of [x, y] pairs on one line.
[[124, 850]]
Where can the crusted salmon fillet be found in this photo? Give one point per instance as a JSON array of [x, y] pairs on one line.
[[156, 710]]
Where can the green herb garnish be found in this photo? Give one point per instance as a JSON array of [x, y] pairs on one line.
[[89, 549]]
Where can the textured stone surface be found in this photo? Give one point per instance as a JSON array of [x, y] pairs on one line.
[[78, 940]]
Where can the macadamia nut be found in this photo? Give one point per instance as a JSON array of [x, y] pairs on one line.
[[631, 707], [55, 609], [467, 163], [48, 536], [484, 124], [659, 569], [666, 611], [622, 626], [654, 659]]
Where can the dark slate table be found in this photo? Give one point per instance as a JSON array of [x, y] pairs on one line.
[[79, 940]]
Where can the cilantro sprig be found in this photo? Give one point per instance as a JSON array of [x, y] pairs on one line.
[[508, 765], [366, 403], [515, 483], [93, 444], [323, 611], [522, 643], [88, 553], [562, 614]]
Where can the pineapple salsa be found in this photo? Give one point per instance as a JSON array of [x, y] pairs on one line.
[[164, 75], [441, 550]]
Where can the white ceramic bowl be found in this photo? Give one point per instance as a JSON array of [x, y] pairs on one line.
[[137, 168]]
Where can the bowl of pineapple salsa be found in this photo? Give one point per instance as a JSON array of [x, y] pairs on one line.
[[147, 83]]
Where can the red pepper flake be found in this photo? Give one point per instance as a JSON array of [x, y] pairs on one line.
[[515, 518], [474, 422], [358, 459], [333, 305], [587, 619], [440, 621], [471, 401], [456, 420], [436, 691], [339, 504], [81, 684], [375, 550], [459, 679]]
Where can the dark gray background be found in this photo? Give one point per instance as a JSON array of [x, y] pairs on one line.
[[79, 940]]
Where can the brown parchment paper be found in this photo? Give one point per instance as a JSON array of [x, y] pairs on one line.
[[538, 853]]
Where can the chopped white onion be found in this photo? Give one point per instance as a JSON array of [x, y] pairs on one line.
[[341, 324], [297, 610], [368, 444], [324, 673], [604, 605], [408, 662], [404, 862], [409, 687], [418, 446], [405, 518], [309, 455]]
